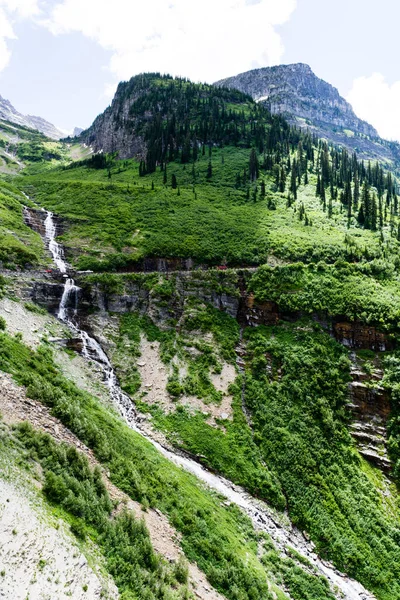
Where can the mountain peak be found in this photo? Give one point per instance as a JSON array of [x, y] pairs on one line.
[[296, 91], [9, 113]]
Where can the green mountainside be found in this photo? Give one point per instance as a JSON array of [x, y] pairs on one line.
[[310, 102], [219, 180], [244, 282]]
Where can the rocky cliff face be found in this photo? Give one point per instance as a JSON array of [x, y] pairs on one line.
[[9, 113], [369, 403], [113, 130], [295, 91], [370, 407]]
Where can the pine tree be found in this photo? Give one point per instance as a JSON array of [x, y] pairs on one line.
[[323, 196], [174, 183], [209, 170], [282, 182], [293, 179], [347, 194], [380, 214], [356, 194], [318, 190], [374, 213], [195, 151], [366, 205], [262, 189], [253, 165], [277, 173], [185, 155], [361, 215]]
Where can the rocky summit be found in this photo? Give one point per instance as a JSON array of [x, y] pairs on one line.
[[305, 99]]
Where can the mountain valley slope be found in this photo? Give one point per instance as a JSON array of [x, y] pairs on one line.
[[245, 287]]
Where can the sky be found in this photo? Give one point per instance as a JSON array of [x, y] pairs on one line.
[[62, 59]]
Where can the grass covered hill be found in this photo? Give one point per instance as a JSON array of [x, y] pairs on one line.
[[217, 179], [19, 245], [162, 118]]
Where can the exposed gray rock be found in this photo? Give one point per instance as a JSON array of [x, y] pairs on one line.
[[77, 131], [369, 404], [297, 93], [113, 130], [9, 113], [294, 89]]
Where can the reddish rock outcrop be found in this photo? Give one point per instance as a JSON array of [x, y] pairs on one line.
[[359, 336], [260, 313], [35, 220], [370, 406]]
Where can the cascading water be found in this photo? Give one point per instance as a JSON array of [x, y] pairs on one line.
[[67, 312], [55, 248], [70, 289], [261, 515]]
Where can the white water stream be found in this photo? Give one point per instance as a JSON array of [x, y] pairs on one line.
[[261, 515], [55, 248]]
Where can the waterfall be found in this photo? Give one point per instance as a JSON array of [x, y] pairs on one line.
[[70, 289], [91, 349], [259, 512], [55, 248]]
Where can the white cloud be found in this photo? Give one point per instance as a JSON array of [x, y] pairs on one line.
[[204, 40], [6, 33], [23, 8], [377, 102], [10, 9]]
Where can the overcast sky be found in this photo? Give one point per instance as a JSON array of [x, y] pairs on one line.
[[62, 59]]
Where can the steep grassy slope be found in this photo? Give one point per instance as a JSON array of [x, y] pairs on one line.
[[215, 178], [219, 181], [118, 221], [21, 147], [55, 562], [294, 449], [19, 245], [219, 538]]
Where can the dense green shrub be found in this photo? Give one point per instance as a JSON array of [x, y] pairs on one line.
[[221, 540], [296, 389], [367, 292], [71, 484]]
